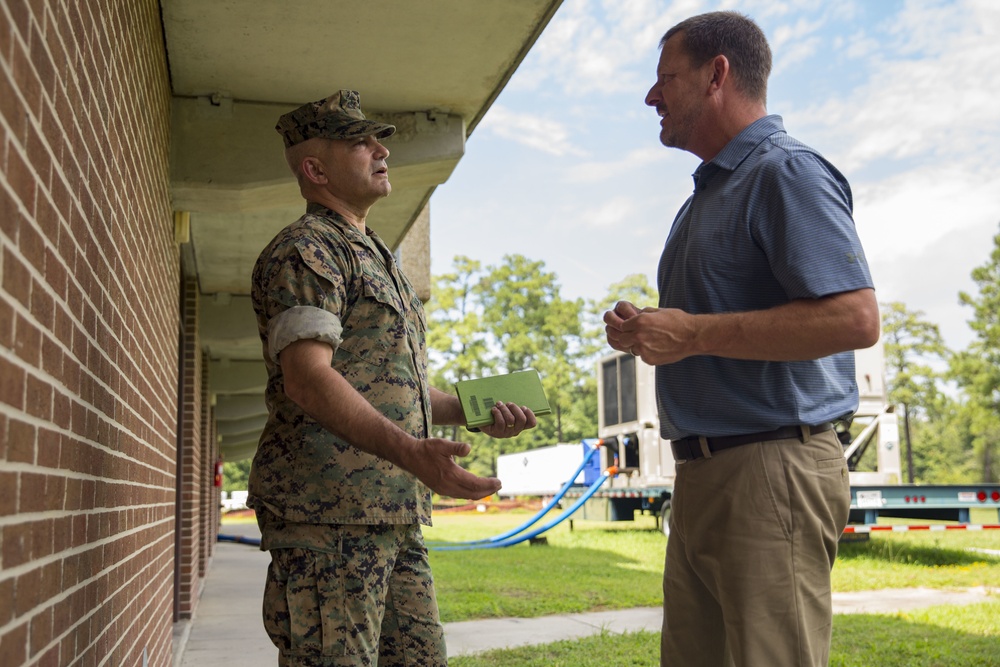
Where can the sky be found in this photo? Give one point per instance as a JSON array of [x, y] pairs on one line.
[[902, 96]]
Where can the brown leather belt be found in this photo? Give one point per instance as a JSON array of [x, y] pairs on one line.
[[690, 448]]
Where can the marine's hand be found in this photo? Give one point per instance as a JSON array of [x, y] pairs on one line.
[[433, 463], [509, 420]]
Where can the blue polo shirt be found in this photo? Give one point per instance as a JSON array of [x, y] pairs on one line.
[[770, 221]]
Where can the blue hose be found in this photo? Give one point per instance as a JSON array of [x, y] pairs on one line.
[[527, 536], [504, 539], [253, 541], [595, 444]]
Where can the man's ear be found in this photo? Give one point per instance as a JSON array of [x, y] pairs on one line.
[[314, 171], [719, 72]]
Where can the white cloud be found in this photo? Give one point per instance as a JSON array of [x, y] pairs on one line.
[[905, 213], [603, 171], [543, 134], [924, 231], [790, 34], [920, 106], [593, 47], [613, 213]]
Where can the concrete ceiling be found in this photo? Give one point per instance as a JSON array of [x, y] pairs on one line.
[[431, 67]]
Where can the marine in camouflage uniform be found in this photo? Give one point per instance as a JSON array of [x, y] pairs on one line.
[[349, 582]]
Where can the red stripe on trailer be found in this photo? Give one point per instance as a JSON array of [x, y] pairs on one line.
[[935, 528]]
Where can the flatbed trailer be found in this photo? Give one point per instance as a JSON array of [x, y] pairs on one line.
[[942, 502]]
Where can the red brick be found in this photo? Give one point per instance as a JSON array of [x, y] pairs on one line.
[[55, 493], [27, 341], [14, 644], [6, 324], [32, 496], [6, 609], [38, 156], [16, 548], [32, 247], [48, 448], [11, 384], [41, 631], [58, 188], [43, 539], [11, 107], [21, 442], [60, 409], [51, 580], [22, 180], [37, 398], [42, 305], [55, 274], [72, 503], [79, 535], [20, 14], [26, 79], [16, 279], [42, 61], [8, 505], [6, 35], [55, 137], [52, 355], [63, 528], [11, 217]]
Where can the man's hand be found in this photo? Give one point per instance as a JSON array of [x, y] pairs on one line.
[[614, 319], [432, 461], [656, 335], [799, 330], [509, 420]]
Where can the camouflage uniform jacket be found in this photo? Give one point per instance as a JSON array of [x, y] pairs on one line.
[[321, 278]]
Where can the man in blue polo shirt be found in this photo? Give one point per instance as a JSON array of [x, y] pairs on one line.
[[764, 293]]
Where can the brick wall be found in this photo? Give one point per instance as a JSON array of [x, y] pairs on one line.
[[211, 509], [191, 459], [89, 320]]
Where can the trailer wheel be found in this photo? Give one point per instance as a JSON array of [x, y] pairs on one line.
[[665, 517]]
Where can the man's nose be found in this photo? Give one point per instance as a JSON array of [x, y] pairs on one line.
[[652, 97]]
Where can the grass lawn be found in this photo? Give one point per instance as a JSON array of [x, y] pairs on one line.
[[601, 565], [966, 636]]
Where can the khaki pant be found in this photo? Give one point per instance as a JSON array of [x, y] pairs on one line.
[[753, 537], [352, 595]]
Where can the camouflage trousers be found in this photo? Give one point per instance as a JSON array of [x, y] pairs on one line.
[[350, 595]]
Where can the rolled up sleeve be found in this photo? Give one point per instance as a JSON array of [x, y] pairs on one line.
[[302, 323]]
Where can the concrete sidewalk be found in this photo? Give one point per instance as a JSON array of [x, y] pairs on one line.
[[227, 628]]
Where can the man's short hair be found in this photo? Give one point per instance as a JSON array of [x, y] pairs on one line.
[[735, 36]]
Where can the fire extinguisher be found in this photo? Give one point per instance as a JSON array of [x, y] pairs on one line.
[[218, 472]]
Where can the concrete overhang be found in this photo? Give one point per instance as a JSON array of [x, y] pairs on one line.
[[430, 67]]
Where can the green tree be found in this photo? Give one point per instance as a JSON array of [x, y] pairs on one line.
[[634, 288], [910, 343], [504, 318], [534, 327], [236, 475], [977, 370], [456, 342]]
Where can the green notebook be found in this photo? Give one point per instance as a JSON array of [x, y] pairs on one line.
[[479, 395]]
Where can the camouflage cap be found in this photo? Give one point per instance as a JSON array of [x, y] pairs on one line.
[[337, 117]]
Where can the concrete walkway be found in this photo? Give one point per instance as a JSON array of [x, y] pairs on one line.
[[227, 627]]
